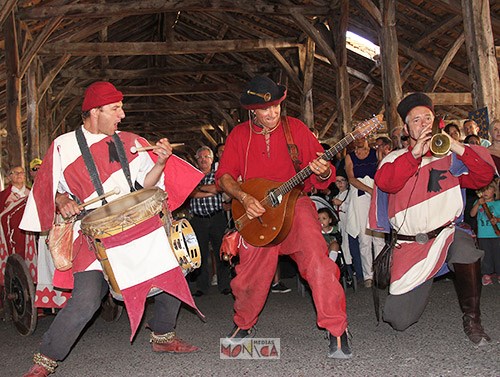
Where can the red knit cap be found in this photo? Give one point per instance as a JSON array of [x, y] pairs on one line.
[[99, 94]]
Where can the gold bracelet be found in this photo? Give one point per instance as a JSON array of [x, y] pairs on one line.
[[327, 177]]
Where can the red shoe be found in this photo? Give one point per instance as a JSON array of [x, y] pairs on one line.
[[171, 343], [37, 371]]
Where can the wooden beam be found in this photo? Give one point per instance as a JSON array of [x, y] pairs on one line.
[[288, 69], [316, 36], [209, 137], [5, 10], [32, 124], [37, 44], [353, 72], [456, 99], [52, 75], [439, 73], [483, 65], [15, 144], [188, 89], [431, 62], [338, 26], [438, 30], [130, 8], [169, 71], [391, 79], [372, 10], [189, 105], [306, 99], [67, 111], [164, 48]]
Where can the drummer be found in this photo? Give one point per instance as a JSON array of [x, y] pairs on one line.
[[65, 171]]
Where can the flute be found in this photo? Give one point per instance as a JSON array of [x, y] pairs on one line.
[[489, 215]]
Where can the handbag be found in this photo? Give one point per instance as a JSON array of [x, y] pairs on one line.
[[229, 246], [60, 242]]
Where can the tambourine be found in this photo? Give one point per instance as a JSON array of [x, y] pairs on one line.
[[185, 245]]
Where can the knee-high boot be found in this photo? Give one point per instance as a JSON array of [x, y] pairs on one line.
[[468, 286]]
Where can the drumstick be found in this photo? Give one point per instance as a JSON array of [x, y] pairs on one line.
[[115, 191], [151, 147]]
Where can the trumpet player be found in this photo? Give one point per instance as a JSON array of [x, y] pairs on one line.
[[418, 198]]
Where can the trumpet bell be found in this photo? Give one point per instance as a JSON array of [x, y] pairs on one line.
[[440, 145]]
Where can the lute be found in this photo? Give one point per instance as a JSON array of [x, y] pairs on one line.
[[279, 198]]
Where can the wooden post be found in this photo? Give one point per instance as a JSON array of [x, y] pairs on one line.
[[339, 30], [306, 100], [483, 65], [391, 80], [15, 145], [32, 134]]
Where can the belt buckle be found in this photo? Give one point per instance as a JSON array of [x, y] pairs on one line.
[[421, 238]]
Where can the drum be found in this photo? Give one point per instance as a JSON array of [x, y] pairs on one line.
[[125, 221]]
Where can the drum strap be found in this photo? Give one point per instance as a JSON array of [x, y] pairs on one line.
[[123, 159], [89, 163]]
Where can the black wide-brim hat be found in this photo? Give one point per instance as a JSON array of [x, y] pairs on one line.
[[413, 100], [261, 92]]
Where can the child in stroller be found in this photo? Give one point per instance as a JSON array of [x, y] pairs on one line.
[[331, 233]]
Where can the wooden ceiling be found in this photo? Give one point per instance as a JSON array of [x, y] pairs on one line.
[[182, 64]]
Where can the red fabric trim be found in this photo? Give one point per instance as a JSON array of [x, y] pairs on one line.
[[131, 234], [172, 282]]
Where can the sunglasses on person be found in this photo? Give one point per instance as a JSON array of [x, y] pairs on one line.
[[404, 138]]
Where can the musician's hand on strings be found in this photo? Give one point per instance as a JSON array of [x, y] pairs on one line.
[[320, 167], [163, 150], [252, 206], [67, 207]]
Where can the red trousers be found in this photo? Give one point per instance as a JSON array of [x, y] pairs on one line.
[[307, 247]]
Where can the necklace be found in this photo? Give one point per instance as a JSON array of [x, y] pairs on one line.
[[266, 132]]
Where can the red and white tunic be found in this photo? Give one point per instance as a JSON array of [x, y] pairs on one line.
[[418, 196]]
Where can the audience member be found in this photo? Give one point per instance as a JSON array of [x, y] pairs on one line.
[[209, 223], [34, 166], [453, 130], [494, 148], [361, 166], [330, 231], [472, 140], [16, 189], [488, 234], [383, 146], [472, 128]]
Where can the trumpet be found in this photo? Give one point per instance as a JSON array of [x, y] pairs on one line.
[[440, 143], [265, 96]]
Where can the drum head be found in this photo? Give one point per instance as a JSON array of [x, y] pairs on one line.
[[128, 210]]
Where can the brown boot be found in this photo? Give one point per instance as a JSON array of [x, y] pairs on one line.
[[43, 366], [169, 342], [468, 285]]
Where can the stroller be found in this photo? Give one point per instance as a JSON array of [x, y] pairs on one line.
[[348, 277]]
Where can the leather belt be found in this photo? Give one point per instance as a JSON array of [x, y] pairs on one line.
[[422, 238], [207, 216]]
